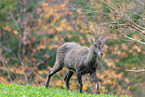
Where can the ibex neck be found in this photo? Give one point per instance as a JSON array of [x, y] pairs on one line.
[[92, 56]]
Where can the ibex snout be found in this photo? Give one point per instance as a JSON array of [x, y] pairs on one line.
[[101, 54]]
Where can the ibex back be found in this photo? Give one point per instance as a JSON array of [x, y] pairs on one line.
[[78, 59]]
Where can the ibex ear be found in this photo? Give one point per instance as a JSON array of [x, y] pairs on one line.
[[105, 39], [90, 39]]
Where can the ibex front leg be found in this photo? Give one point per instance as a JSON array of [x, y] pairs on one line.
[[94, 77], [79, 78]]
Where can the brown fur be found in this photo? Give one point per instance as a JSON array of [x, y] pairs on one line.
[[78, 59]]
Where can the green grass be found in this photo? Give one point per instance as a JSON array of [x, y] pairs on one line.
[[14, 90]]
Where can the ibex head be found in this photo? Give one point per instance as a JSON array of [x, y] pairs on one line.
[[98, 44]]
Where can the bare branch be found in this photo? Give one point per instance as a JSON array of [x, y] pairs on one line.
[[136, 28], [42, 61], [16, 24], [140, 26], [24, 71], [25, 36], [142, 70], [5, 65], [133, 39]]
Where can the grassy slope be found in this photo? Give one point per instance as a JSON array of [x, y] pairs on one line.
[[15, 90]]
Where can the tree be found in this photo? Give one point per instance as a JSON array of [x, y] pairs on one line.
[[123, 22]]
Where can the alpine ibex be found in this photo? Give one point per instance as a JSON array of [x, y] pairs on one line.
[[78, 59]]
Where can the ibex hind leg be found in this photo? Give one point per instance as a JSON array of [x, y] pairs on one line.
[[67, 78], [55, 69]]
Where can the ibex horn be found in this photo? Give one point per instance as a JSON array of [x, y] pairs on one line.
[[96, 38]]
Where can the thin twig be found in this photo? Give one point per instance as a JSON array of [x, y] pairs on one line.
[[24, 72], [16, 24], [5, 65], [136, 28], [142, 70], [133, 39], [42, 61]]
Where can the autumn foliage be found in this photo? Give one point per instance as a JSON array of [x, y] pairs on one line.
[[31, 33]]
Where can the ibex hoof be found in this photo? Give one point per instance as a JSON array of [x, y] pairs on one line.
[[98, 93]]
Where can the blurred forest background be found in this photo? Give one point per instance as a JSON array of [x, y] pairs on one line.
[[32, 30]]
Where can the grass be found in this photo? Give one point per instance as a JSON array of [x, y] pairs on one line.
[[14, 90]]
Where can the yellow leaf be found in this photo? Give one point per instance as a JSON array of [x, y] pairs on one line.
[[59, 28], [118, 52], [25, 58], [46, 56], [123, 54], [143, 52], [85, 87], [55, 38], [68, 28], [0, 51], [109, 81], [120, 75], [56, 46], [135, 75], [69, 36], [124, 46], [119, 88], [139, 49], [59, 83], [128, 87], [62, 6], [33, 59], [135, 37], [44, 4], [79, 11], [100, 5], [116, 47], [42, 46], [112, 87], [135, 54], [102, 87], [15, 32], [117, 60], [51, 47], [127, 80], [83, 41], [92, 2], [47, 15], [40, 72]]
